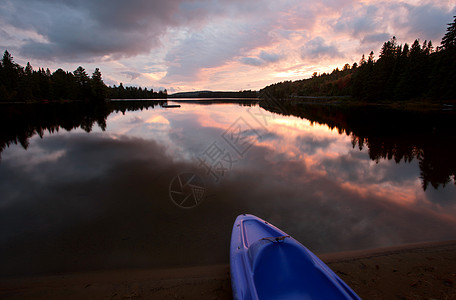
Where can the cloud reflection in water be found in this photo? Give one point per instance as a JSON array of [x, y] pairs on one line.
[[76, 201]]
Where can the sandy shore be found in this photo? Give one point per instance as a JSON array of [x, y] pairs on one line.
[[417, 271]]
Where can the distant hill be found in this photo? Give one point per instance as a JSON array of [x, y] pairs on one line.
[[215, 94]]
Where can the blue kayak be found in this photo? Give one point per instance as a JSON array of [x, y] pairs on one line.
[[266, 263]]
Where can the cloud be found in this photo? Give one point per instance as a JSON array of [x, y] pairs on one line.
[[190, 43], [213, 47], [89, 29], [101, 200], [408, 21], [130, 74], [311, 144], [362, 19], [264, 58], [252, 61], [375, 38], [428, 21], [136, 120], [317, 48], [270, 57]]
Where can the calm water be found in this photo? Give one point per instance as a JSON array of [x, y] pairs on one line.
[[94, 190]]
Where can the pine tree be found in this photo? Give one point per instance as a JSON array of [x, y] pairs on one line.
[[362, 61], [81, 76], [10, 74], [449, 39], [28, 69], [444, 73], [430, 47], [25, 87], [98, 87], [389, 49], [371, 57], [82, 81]]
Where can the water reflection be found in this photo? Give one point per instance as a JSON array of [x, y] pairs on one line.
[[74, 201], [392, 134]]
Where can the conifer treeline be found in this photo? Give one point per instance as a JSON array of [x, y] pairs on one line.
[[19, 84], [402, 72]]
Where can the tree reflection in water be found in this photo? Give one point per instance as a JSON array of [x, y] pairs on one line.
[[392, 134], [19, 122]]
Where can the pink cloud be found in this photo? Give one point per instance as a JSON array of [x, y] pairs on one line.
[[183, 41]]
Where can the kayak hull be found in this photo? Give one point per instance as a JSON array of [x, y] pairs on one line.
[[266, 263]]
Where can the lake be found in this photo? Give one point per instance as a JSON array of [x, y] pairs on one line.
[[132, 184]]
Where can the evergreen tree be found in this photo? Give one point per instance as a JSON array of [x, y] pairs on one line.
[[83, 83], [24, 84], [405, 50], [10, 76], [371, 57], [98, 87], [449, 39], [444, 66], [386, 69], [80, 76], [25, 92], [362, 61], [28, 69]]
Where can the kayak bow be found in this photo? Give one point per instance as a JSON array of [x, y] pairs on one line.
[[266, 263]]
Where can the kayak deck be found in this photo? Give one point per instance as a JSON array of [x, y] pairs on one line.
[[266, 263]]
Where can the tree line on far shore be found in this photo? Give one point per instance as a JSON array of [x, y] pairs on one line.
[[401, 72], [19, 84]]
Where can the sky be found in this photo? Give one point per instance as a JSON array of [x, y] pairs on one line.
[[187, 45]]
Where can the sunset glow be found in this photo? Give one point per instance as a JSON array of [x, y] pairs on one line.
[[216, 45]]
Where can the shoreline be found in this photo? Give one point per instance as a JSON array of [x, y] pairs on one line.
[[348, 101], [411, 271]]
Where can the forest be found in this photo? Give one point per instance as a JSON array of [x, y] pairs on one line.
[[19, 84], [401, 72]]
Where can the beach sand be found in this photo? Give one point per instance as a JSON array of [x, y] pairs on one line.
[[417, 271]]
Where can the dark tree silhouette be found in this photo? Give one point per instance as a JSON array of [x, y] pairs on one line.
[[392, 134], [400, 73], [98, 86], [449, 39], [18, 84]]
